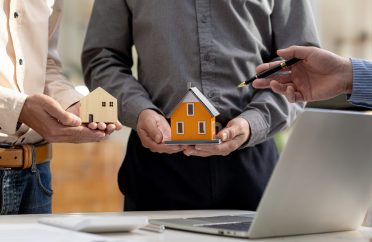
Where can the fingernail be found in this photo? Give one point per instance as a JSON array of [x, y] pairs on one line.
[[224, 136], [77, 120]]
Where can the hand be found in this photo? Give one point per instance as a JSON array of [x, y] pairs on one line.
[[108, 128], [46, 116], [236, 133], [320, 75], [153, 129]]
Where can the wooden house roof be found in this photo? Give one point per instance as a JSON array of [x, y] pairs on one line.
[[99, 91]]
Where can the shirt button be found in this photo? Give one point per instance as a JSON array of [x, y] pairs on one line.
[[16, 15], [20, 61], [207, 57], [210, 94]]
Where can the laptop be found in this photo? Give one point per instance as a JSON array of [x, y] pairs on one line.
[[321, 183]]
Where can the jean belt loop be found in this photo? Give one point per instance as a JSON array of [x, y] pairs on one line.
[[33, 166]]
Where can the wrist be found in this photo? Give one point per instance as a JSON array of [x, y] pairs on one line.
[[347, 75]]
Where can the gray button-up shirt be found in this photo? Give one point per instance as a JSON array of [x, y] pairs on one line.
[[212, 44]]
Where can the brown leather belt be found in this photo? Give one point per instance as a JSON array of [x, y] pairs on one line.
[[20, 157]]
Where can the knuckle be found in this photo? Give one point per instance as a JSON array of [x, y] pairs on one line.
[[49, 139]]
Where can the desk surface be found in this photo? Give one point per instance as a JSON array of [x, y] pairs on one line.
[[363, 234]]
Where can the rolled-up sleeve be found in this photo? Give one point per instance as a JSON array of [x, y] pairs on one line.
[[267, 113], [107, 59]]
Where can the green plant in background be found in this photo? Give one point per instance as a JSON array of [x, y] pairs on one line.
[[281, 139]]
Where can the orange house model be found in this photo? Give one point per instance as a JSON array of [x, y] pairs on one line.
[[193, 120], [99, 106]]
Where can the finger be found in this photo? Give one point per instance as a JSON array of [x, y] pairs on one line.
[[164, 128], [62, 116], [221, 149], [153, 132], [169, 149], [261, 83], [228, 133], [146, 141], [266, 66], [149, 143], [81, 134], [93, 125], [300, 52], [118, 125], [55, 110], [290, 94], [299, 97], [278, 87], [200, 153], [110, 128], [102, 126]]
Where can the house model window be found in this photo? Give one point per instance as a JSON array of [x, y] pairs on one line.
[[190, 109], [201, 127], [111, 104], [103, 104], [180, 128]]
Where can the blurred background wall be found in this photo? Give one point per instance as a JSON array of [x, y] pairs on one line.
[[84, 176]]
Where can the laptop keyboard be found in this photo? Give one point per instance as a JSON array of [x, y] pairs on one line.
[[243, 226]]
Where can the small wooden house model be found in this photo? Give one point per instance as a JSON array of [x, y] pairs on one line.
[[99, 106], [193, 120]]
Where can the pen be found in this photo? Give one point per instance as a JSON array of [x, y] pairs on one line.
[[154, 228], [282, 65]]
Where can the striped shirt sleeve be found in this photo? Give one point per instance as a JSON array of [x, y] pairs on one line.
[[362, 83]]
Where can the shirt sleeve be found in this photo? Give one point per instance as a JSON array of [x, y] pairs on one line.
[[11, 103], [362, 83], [107, 60], [268, 113], [56, 84]]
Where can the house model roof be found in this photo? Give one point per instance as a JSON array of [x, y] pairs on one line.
[[193, 93], [99, 91]]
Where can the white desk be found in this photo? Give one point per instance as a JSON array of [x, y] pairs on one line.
[[363, 234]]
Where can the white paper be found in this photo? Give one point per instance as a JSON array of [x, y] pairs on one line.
[[45, 233]]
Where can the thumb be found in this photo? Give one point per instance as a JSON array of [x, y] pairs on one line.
[[300, 52], [228, 133], [153, 131], [55, 110]]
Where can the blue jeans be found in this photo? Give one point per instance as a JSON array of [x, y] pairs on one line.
[[26, 191]]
